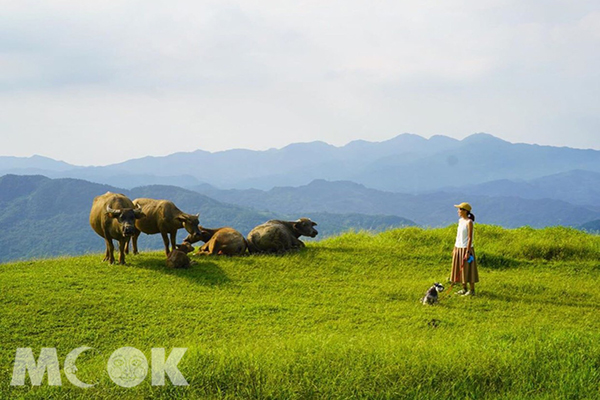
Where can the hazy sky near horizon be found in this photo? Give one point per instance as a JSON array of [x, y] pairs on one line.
[[93, 83]]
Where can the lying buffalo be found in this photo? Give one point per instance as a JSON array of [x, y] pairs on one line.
[[280, 236], [221, 241], [162, 216], [113, 216]]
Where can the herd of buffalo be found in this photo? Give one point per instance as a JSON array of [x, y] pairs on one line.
[[116, 217]]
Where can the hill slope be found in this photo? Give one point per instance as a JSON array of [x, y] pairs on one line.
[[340, 319]]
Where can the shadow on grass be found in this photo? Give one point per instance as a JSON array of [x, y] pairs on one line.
[[202, 271]]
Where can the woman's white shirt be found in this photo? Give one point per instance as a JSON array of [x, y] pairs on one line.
[[462, 234]]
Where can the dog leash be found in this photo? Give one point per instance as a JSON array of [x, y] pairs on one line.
[[462, 266]]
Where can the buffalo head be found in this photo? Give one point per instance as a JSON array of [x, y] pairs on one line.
[[190, 223], [126, 218], [305, 227], [186, 247], [202, 235]]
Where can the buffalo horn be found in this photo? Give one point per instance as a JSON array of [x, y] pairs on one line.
[[112, 211]]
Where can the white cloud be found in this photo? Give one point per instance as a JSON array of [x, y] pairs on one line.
[[259, 74]]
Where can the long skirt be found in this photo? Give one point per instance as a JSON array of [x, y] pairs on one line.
[[468, 273]]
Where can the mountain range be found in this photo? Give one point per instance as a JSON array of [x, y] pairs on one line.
[[407, 163]]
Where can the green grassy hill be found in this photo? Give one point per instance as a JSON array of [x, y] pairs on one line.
[[340, 319]]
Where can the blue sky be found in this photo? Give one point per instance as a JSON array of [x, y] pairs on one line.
[[94, 83]]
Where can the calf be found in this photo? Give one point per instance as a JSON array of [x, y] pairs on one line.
[[178, 258]]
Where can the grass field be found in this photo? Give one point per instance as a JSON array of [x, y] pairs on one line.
[[340, 319]]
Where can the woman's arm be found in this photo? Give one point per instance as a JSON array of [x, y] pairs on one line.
[[470, 241]]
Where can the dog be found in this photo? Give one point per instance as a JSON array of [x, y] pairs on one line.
[[431, 296]]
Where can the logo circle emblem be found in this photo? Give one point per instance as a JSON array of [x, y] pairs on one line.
[[127, 367]]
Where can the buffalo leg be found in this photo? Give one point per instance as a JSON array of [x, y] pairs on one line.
[[134, 240], [297, 243], [173, 240], [214, 249], [166, 242], [204, 250], [122, 244], [110, 251], [106, 253]]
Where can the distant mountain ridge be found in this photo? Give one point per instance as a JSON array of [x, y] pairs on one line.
[[429, 209], [33, 162], [577, 187], [406, 163]]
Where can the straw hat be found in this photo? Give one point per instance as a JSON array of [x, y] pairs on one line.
[[464, 206]]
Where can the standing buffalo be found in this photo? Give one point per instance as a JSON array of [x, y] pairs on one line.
[[113, 216], [226, 241], [162, 216], [280, 236]]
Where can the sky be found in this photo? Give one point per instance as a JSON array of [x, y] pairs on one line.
[[95, 83]]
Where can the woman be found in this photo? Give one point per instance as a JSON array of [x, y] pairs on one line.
[[464, 271]]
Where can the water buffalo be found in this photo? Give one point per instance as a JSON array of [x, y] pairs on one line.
[[221, 241], [178, 258], [280, 236], [162, 216], [113, 216]]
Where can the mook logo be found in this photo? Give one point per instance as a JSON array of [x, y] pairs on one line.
[[127, 367]]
